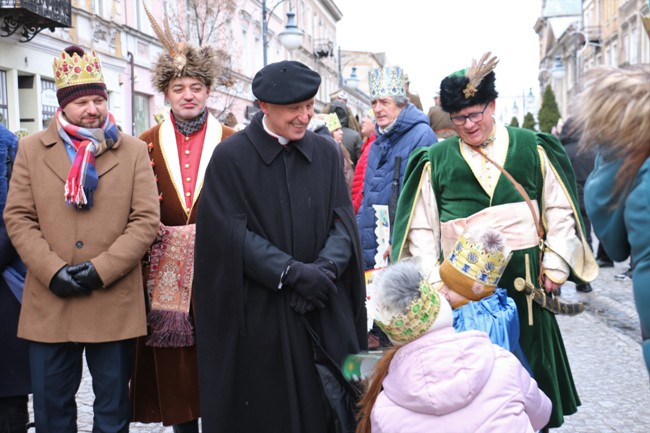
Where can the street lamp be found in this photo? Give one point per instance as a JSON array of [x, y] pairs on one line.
[[353, 81], [290, 37], [558, 71]]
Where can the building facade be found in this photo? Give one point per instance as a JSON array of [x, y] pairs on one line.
[[120, 32], [604, 32]]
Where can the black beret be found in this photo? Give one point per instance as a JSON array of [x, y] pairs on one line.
[[285, 82]]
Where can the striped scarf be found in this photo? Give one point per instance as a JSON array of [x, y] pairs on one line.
[[89, 143]]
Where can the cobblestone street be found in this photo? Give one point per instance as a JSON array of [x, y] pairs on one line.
[[604, 350]]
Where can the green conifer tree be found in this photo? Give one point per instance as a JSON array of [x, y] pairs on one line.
[[529, 121], [514, 122], [549, 112]]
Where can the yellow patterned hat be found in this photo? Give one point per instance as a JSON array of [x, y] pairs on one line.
[[387, 81], [476, 263], [78, 73], [332, 121], [406, 304]]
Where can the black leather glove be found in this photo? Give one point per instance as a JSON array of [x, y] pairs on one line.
[[64, 286], [309, 281], [327, 267], [86, 275], [299, 304]]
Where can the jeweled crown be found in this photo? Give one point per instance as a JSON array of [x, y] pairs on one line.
[[72, 70], [419, 318], [483, 259], [387, 81]]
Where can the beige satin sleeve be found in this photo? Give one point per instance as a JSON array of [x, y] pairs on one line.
[[561, 235], [423, 238]]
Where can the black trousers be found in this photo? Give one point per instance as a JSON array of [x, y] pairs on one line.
[[14, 415], [56, 370]]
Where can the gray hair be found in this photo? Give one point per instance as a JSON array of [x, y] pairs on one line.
[[400, 100]]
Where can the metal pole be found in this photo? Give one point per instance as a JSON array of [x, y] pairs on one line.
[[264, 30], [340, 70], [129, 54]]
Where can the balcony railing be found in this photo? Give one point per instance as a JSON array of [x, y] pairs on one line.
[[323, 48], [33, 16]]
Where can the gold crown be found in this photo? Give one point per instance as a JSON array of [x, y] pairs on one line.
[[421, 314], [386, 81], [483, 260], [72, 70]]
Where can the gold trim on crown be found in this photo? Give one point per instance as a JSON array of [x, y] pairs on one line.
[[419, 318], [74, 70], [479, 262]]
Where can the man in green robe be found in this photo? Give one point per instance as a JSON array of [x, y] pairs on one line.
[[458, 184]]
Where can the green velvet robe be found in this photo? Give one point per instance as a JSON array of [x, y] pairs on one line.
[[459, 195]]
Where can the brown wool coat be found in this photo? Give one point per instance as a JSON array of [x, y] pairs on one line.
[[113, 235], [164, 387]]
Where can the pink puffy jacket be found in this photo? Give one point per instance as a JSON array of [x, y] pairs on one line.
[[458, 382]]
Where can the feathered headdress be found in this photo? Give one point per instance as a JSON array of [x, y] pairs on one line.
[[180, 59], [477, 72], [470, 86]]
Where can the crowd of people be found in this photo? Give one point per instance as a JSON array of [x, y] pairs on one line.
[[213, 276]]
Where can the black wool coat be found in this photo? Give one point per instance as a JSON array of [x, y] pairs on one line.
[[255, 357]]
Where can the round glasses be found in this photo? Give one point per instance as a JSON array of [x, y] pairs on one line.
[[474, 117]]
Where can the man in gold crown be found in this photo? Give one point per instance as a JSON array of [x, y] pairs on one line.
[[165, 385], [82, 210], [401, 128], [517, 181]]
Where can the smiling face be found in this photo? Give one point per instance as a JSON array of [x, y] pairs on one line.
[[187, 97], [87, 111], [475, 133], [386, 111], [289, 121]]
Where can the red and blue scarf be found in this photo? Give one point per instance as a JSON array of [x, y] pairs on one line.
[[89, 143]]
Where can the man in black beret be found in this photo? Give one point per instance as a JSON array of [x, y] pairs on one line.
[[278, 280]]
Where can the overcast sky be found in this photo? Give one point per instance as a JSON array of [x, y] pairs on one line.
[[432, 38]]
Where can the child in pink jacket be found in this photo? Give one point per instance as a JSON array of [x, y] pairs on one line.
[[437, 380]]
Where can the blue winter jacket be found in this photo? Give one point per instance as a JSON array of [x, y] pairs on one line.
[[410, 131]]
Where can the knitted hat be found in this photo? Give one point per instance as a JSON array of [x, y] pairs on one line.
[[180, 59], [470, 86], [475, 265], [407, 305], [77, 74], [285, 82], [387, 81]]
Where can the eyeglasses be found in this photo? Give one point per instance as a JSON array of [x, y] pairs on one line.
[[474, 117]]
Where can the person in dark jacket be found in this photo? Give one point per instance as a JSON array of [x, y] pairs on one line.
[[351, 137], [278, 284], [15, 380], [583, 164]]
